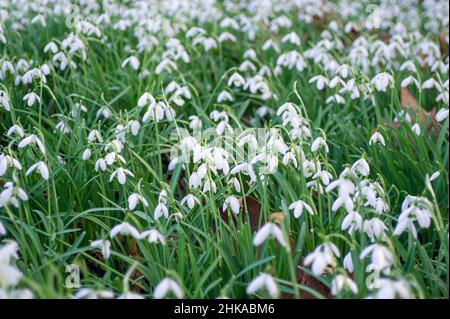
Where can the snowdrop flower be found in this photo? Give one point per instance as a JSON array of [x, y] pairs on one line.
[[209, 186], [132, 61], [146, 99], [267, 230], [8, 161], [430, 83], [121, 174], [2, 229], [31, 98], [165, 286], [408, 65], [233, 203], [320, 80], [15, 129], [352, 222], [125, 229], [104, 245], [416, 129], [382, 80], [348, 262], [318, 142], [31, 140], [340, 282], [236, 80], [263, 281], [41, 167], [134, 126], [322, 257], [375, 229], [335, 98], [161, 210], [52, 47], [133, 200], [381, 258], [408, 80], [362, 167], [377, 138], [225, 96], [86, 154], [153, 236], [11, 195], [298, 207], [324, 176], [391, 289], [292, 38], [414, 209], [190, 201], [441, 115], [87, 293]]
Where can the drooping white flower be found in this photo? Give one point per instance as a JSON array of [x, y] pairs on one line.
[[32, 98], [322, 257], [121, 174], [269, 229], [153, 236], [168, 285], [146, 99], [132, 61], [236, 80], [348, 262], [104, 245], [41, 167], [318, 142], [362, 167], [190, 201], [233, 203], [377, 138], [382, 80], [416, 129], [298, 207], [441, 115], [161, 210], [266, 281], [381, 258], [352, 222], [341, 282], [134, 199], [2, 229], [375, 229], [31, 140], [392, 289], [125, 229]]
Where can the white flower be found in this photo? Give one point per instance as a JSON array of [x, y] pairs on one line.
[[414, 209], [263, 281], [298, 207], [441, 115], [161, 210], [233, 203], [153, 236], [121, 175], [31, 140], [86, 154], [41, 167], [317, 143], [320, 80], [377, 138], [146, 99], [375, 229], [132, 61], [382, 80], [340, 282], [135, 127], [104, 245], [322, 257], [225, 96], [31, 98], [190, 200], [165, 286], [352, 222], [408, 80], [391, 289], [381, 257], [267, 230], [2, 229], [236, 80], [362, 167], [15, 129], [126, 229], [133, 200], [416, 129], [348, 262]]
